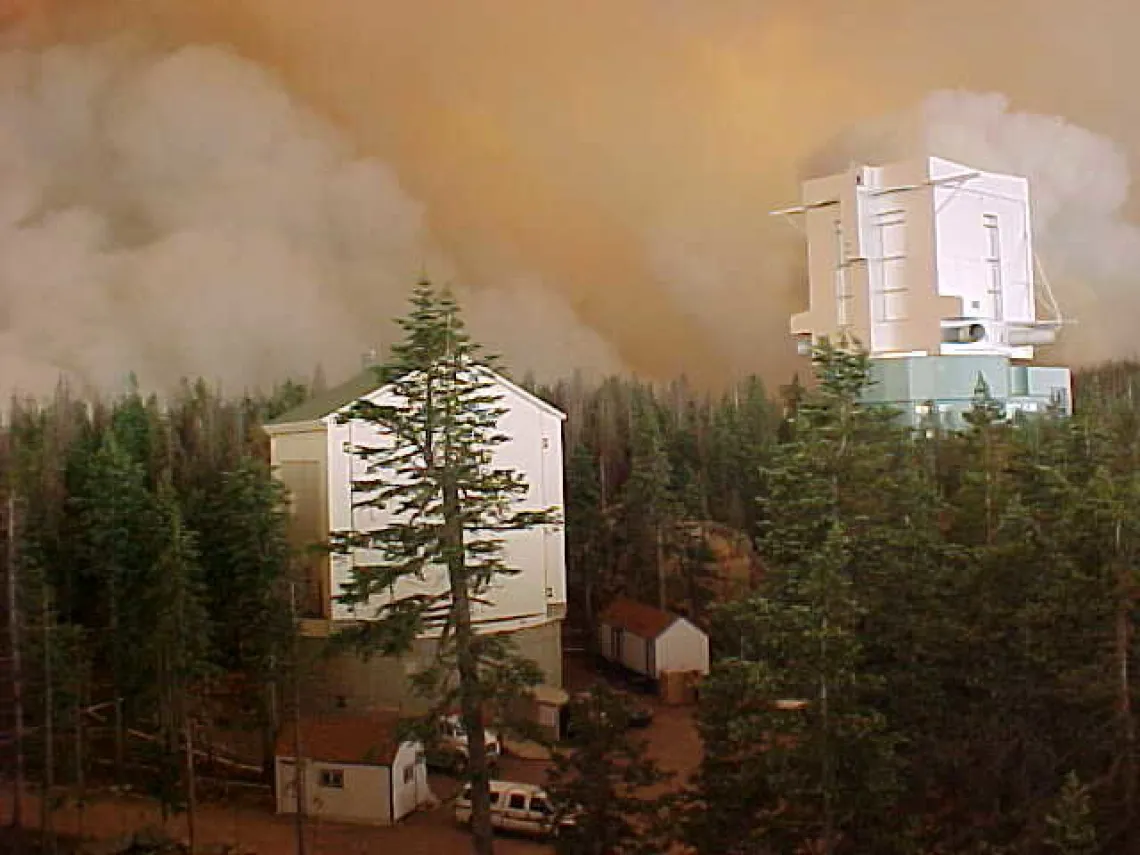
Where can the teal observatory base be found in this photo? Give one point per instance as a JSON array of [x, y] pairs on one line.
[[942, 388]]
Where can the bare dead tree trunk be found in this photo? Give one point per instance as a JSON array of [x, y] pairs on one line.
[[17, 676], [828, 766], [191, 781], [80, 776], [1124, 702], [116, 678], [47, 835], [273, 711], [299, 770]]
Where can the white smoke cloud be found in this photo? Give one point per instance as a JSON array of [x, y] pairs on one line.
[[1079, 185], [523, 312], [180, 214]]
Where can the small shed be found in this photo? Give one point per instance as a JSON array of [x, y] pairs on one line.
[[356, 769], [651, 641]]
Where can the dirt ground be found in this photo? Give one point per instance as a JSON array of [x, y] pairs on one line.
[[425, 833], [673, 742]]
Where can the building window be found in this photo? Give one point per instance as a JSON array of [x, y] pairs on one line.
[[409, 774], [889, 286], [333, 779]]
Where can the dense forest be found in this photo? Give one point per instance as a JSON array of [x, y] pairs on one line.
[[956, 609]]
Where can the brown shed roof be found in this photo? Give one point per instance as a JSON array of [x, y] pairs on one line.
[[638, 618], [365, 740]]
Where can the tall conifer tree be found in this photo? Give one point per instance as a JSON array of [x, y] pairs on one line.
[[447, 509]]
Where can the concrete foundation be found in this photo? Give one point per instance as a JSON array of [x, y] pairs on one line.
[[346, 681]]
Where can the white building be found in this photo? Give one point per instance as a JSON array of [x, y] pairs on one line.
[[356, 770], [650, 641], [312, 453], [927, 259]]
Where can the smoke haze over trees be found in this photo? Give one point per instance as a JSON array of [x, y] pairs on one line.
[[599, 175]]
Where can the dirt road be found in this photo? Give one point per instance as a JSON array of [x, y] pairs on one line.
[[424, 833]]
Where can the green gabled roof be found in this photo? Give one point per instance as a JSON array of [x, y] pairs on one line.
[[338, 397], [330, 400]]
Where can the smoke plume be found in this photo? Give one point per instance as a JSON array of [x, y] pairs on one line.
[[177, 212], [246, 187]]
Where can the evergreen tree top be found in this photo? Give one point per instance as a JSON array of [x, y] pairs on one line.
[[407, 357]]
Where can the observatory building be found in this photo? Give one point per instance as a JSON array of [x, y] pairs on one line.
[[929, 266]]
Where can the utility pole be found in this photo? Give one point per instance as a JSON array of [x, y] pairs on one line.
[[17, 678], [299, 770]]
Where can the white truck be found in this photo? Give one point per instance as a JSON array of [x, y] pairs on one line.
[[450, 752]]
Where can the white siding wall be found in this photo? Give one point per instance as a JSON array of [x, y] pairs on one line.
[[298, 460], [633, 653], [900, 268], [682, 647], [412, 793], [605, 640], [364, 797], [633, 649], [911, 247], [535, 451], [964, 251]]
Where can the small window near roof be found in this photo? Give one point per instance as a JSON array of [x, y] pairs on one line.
[[332, 778], [518, 801]]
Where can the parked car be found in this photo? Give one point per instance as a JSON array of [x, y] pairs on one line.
[[450, 750], [523, 808], [637, 713]]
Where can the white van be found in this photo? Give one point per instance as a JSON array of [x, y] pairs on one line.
[[517, 807]]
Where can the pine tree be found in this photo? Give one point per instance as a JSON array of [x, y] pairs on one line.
[[731, 802], [599, 778], [245, 555], [448, 507], [1071, 828], [827, 777], [179, 645], [587, 534], [114, 516], [649, 505]]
